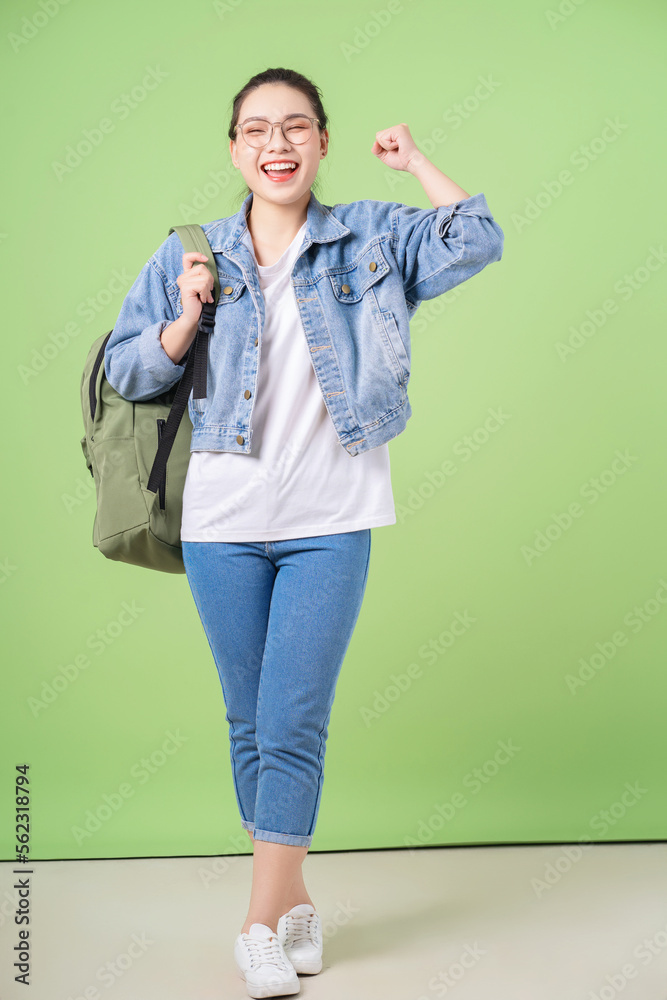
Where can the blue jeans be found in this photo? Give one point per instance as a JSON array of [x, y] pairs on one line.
[[279, 617]]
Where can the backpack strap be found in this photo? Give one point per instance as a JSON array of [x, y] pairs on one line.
[[193, 238]]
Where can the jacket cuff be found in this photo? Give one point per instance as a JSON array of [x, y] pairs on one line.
[[474, 205], [153, 355]]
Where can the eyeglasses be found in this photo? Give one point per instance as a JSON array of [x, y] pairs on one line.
[[258, 132]]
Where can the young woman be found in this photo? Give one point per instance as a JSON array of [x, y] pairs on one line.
[[289, 470]]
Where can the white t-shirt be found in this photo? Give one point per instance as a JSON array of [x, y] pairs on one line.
[[299, 480]]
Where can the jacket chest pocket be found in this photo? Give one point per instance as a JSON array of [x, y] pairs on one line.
[[351, 284], [230, 290], [359, 289]]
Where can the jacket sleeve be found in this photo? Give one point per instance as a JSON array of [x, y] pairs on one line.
[[437, 249], [135, 362]]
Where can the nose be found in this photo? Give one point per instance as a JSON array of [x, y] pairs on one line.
[[277, 142]]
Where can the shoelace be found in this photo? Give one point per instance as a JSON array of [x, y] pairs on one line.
[[298, 928], [265, 952]]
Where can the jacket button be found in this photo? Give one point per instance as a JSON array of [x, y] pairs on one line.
[[345, 289], [239, 439], [247, 394], [256, 341], [373, 266], [227, 290]]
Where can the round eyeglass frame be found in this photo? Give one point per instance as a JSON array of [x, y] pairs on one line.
[[273, 125]]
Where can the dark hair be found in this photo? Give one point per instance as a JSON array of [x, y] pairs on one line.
[[292, 79]]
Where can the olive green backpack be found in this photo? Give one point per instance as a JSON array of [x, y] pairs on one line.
[[138, 452]]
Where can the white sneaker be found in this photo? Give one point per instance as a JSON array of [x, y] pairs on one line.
[[300, 933], [263, 963]]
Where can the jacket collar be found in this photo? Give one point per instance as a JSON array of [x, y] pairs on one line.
[[321, 226]]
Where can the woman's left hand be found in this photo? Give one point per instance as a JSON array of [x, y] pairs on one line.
[[396, 147]]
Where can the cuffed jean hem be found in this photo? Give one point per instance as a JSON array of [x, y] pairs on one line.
[[282, 838], [247, 825]]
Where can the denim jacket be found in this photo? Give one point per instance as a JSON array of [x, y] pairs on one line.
[[362, 271]]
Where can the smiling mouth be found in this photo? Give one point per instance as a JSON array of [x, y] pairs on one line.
[[280, 173]]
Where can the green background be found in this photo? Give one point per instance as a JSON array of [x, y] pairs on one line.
[[404, 775]]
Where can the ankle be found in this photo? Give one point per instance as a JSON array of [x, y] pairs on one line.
[[296, 900], [273, 924]]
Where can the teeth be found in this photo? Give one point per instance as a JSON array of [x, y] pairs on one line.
[[279, 166]]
